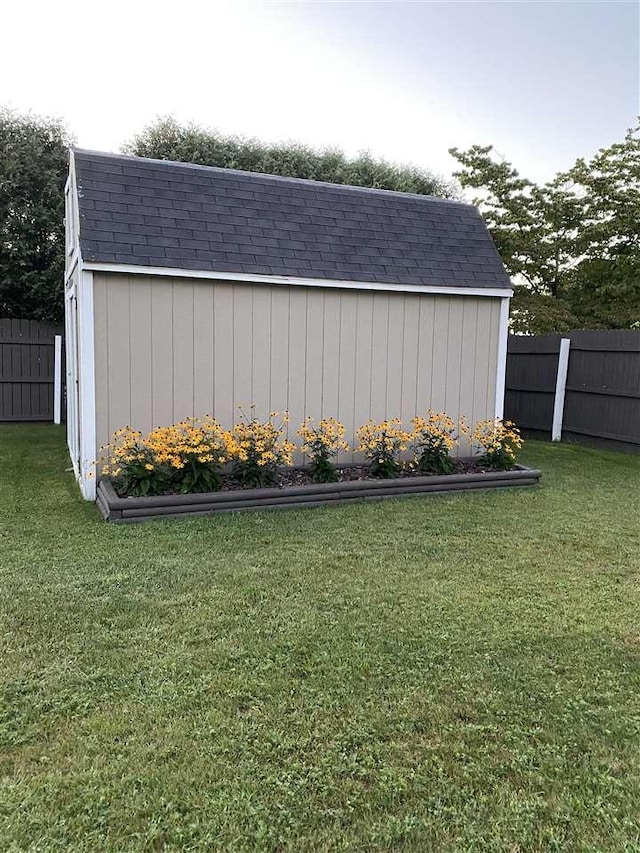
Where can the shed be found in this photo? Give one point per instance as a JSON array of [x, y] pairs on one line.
[[191, 290]]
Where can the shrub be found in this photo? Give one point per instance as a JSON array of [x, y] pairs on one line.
[[131, 465], [381, 443], [321, 443], [434, 437], [499, 441], [193, 452], [257, 448]]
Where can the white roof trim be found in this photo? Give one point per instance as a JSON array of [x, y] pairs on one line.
[[170, 272]]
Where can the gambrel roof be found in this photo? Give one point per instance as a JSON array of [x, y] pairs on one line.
[[155, 213]]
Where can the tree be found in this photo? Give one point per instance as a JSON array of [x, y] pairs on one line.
[[33, 168], [572, 244], [168, 140]]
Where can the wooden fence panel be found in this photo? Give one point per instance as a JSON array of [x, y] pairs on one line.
[[531, 380], [602, 401], [27, 369], [603, 386]]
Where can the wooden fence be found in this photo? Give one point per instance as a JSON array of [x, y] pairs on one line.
[[599, 399], [27, 360]]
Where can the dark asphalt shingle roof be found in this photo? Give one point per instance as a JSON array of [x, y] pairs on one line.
[[163, 214]]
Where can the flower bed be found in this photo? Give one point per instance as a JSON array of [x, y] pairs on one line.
[[130, 509], [198, 468]]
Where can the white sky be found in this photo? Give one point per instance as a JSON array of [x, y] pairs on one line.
[[544, 81]]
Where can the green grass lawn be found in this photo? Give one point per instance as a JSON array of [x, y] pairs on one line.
[[439, 673]]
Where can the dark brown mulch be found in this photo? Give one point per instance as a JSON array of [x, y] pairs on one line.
[[347, 473]]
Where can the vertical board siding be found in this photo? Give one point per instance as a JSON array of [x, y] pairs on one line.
[[314, 349], [101, 343], [222, 403], [466, 396], [261, 352], [379, 346], [240, 367], [203, 350], [410, 355], [171, 348], [161, 349], [26, 369], [279, 348], [484, 362], [347, 375], [141, 358], [454, 357], [330, 353], [279, 324], [297, 363], [424, 351], [183, 350], [395, 346], [118, 354], [363, 361], [439, 354]]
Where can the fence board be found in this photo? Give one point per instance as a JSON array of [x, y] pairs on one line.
[[603, 385], [26, 369]]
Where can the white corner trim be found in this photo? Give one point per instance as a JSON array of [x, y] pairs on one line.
[[87, 385], [171, 272], [501, 373], [561, 384]]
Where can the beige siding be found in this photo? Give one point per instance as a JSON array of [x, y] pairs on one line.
[[169, 348]]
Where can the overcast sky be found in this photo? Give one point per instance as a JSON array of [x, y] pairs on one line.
[[545, 82]]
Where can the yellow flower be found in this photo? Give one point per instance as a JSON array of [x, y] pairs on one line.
[[496, 438], [382, 440], [324, 439]]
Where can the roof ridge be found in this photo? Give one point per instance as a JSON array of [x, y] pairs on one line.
[[276, 178]]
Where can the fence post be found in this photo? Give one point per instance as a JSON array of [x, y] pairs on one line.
[[561, 383], [57, 378]]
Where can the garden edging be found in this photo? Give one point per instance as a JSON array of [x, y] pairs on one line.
[[130, 509]]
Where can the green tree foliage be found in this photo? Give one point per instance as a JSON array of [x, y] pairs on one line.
[[572, 244], [166, 139], [33, 169]]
